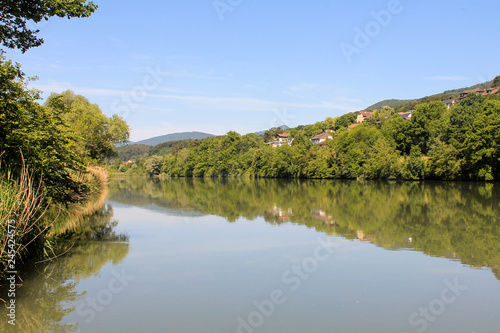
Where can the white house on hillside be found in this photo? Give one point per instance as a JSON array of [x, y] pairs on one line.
[[321, 138]]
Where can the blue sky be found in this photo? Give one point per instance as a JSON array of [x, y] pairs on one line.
[[248, 65]]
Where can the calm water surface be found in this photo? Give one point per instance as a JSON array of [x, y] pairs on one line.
[[245, 256]]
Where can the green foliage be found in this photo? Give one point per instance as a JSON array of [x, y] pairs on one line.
[[39, 133], [427, 124], [484, 85], [21, 203], [95, 134], [496, 82], [448, 94], [153, 165], [475, 132], [392, 103], [365, 152], [444, 162], [133, 152], [346, 120], [383, 115], [456, 144], [141, 151], [15, 15], [166, 148], [271, 133], [414, 165], [330, 122]]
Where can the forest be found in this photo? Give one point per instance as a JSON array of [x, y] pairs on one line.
[[459, 143]]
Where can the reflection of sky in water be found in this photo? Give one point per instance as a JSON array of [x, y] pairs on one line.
[[199, 274]]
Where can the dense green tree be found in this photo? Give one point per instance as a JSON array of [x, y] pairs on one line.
[[383, 115], [444, 162], [134, 151], [36, 136], [402, 131], [413, 167], [271, 133], [474, 131], [496, 81], [345, 120], [382, 161], [247, 142], [427, 124], [153, 165], [321, 125], [354, 148], [95, 134], [301, 142], [16, 14], [311, 130], [330, 122]]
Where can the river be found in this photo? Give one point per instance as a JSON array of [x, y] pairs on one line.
[[232, 255]]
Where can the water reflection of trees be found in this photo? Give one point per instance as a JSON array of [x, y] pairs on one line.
[[97, 227], [47, 290], [447, 219]]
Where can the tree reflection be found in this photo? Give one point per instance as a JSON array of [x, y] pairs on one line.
[[455, 220], [48, 289]]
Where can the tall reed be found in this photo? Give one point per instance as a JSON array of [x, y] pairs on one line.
[[22, 206]]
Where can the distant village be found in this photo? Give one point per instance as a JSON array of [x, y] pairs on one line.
[[320, 139]]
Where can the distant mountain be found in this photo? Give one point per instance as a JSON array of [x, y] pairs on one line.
[[173, 137], [283, 127]]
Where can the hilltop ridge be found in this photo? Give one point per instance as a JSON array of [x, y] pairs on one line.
[[173, 137], [447, 94]]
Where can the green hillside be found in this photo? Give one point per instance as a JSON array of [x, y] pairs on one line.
[[393, 103], [404, 105], [138, 151], [484, 85]]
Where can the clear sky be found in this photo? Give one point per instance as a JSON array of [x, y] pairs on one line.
[[247, 65]]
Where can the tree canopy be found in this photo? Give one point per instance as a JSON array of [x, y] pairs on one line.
[[37, 133], [55, 140], [95, 134], [15, 16], [496, 82]]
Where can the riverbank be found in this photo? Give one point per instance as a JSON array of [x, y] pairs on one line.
[[32, 225]]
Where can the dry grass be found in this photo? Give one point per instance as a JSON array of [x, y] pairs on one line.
[[22, 200]]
